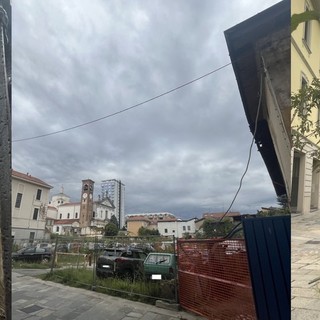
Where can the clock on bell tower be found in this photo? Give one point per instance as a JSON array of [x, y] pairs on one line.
[[86, 206]]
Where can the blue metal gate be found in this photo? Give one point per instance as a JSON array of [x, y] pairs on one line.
[[268, 249]]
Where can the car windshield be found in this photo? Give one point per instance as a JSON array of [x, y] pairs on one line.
[[25, 250], [158, 259]]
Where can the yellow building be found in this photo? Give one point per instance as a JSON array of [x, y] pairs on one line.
[[135, 223], [305, 65]]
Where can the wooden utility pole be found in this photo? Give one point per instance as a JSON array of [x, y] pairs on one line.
[[5, 160]]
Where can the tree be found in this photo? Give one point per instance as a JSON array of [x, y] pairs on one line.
[[147, 232], [213, 228], [111, 230], [114, 220], [303, 127], [298, 18]]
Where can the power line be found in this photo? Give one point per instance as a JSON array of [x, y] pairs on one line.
[[123, 110], [250, 149]]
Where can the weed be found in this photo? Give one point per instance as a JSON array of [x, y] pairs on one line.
[[142, 291]]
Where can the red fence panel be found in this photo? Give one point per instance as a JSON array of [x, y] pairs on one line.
[[214, 279]]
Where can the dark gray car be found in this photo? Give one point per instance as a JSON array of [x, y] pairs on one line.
[[32, 254]]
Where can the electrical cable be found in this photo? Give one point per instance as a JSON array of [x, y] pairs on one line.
[[250, 149], [125, 109]]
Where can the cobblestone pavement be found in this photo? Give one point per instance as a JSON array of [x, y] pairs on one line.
[[35, 299], [305, 266]]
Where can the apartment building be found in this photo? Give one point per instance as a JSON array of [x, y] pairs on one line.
[[30, 198], [305, 65], [178, 228], [115, 191]]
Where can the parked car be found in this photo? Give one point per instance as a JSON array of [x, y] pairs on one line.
[[158, 266], [62, 247], [121, 262], [32, 254]]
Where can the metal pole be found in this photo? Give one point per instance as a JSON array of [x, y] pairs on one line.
[[176, 271], [5, 161], [93, 287], [54, 258]]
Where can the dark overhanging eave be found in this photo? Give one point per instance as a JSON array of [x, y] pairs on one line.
[[241, 41]]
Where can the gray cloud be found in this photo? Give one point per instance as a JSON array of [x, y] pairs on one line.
[[76, 61]]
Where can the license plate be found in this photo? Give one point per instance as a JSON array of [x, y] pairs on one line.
[[106, 266], [156, 277]]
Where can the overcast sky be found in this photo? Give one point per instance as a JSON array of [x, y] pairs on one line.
[[76, 61]]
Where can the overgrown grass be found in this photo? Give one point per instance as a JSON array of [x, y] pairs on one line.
[[30, 265], [74, 259], [62, 260], [142, 291]]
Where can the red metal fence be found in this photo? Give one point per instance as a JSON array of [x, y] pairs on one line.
[[214, 279]]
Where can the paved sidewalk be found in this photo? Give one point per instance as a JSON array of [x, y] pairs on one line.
[[305, 266], [35, 299]]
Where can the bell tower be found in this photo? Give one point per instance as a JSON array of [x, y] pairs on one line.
[[86, 206]]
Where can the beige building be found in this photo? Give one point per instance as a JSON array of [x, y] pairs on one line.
[[30, 197], [135, 223], [305, 65], [147, 220]]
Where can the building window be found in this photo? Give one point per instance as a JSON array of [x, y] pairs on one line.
[[35, 214], [68, 216], [60, 216], [165, 230], [307, 33], [57, 229], [18, 200], [304, 82], [76, 215], [38, 197], [173, 231], [31, 237], [184, 228], [189, 228], [93, 214]]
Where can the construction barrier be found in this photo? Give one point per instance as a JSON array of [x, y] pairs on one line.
[[214, 279]]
